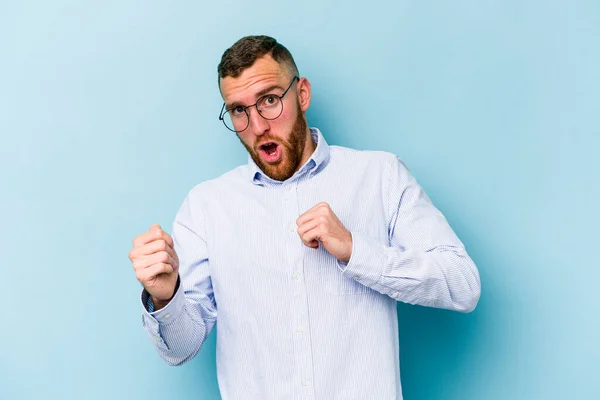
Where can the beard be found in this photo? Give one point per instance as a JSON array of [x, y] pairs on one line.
[[292, 150]]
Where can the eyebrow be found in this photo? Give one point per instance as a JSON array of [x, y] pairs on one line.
[[257, 95]]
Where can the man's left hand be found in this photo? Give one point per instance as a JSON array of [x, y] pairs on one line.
[[320, 224]]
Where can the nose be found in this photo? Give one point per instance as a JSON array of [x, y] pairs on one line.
[[258, 124]]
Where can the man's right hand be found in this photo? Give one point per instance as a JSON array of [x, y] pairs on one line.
[[156, 264]]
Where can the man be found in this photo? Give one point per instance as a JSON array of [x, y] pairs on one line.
[[300, 255]]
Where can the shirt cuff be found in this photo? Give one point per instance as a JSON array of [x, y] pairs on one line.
[[168, 313], [367, 260]]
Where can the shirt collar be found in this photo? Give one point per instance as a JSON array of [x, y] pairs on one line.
[[315, 163]]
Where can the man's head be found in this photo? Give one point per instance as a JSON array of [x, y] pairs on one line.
[[258, 69]]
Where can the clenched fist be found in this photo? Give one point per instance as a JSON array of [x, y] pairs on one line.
[[320, 224], [156, 264]]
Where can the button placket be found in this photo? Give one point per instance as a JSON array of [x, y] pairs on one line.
[[300, 323]]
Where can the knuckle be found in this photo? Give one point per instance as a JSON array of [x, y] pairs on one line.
[[155, 269], [140, 276]]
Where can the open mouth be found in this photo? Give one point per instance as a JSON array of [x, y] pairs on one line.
[[270, 151]]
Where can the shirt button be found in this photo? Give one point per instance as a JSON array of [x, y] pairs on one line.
[[292, 227], [295, 277], [305, 383], [289, 188], [167, 315], [157, 339], [356, 277], [395, 295], [300, 329]]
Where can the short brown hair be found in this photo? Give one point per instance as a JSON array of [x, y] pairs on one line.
[[248, 49]]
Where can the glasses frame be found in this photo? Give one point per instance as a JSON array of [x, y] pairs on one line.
[[224, 111]]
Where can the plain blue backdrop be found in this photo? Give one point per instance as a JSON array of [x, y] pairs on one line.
[[108, 116]]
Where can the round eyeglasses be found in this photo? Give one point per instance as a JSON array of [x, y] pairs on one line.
[[269, 106]]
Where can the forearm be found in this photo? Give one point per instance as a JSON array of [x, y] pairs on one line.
[[441, 277]]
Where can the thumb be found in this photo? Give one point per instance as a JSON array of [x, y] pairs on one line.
[[155, 226]]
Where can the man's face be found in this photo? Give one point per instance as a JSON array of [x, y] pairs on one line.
[[277, 146]]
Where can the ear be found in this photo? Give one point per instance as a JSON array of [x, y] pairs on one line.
[[304, 94]]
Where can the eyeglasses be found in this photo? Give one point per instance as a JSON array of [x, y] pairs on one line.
[[269, 106]]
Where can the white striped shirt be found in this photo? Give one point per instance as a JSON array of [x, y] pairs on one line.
[[294, 322]]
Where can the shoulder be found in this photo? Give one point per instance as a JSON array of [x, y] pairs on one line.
[[382, 161], [204, 191]]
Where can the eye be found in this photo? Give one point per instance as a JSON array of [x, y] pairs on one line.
[[237, 111], [269, 100]]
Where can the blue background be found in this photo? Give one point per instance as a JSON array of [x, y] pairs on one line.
[[108, 116]]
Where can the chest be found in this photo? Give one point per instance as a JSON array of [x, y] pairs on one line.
[[254, 247]]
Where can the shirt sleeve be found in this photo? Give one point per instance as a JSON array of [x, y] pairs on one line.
[[424, 262], [180, 328]]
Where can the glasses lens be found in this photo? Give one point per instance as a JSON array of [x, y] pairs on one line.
[[236, 120], [270, 106]]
